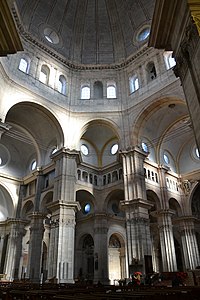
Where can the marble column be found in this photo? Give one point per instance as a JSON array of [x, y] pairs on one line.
[[136, 208]]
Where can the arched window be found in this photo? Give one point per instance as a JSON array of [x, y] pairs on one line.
[[62, 85], [151, 72], [85, 92], [24, 65], [169, 60], [98, 90], [111, 90], [133, 84], [44, 74]]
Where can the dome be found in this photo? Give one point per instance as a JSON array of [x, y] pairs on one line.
[[88, 31]]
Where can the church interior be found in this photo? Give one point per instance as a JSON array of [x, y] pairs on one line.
[[100, 140]]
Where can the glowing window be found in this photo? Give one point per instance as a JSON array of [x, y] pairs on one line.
[[166, 158], [44, 74], [143, 34], [54, 150], [1, 161], [33, 165], [87, 208], [133, 84], [169, 60], [23, 65], [145, 147], [62, 85], [85, 92], [51, 36], [84, 149], [197, 153], [114, 149], [111, 91]]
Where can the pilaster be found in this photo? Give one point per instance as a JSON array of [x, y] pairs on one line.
[[62, 237], [189, 241], [167, 240], [35, 247], [101, 249], [14, 249]]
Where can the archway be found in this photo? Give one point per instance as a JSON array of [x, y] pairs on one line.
[[116, 259]]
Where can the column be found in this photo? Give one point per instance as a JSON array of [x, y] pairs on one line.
[[35, 247], [100, 249], [14, 249], [136, 208], [62, 237], [189, 242], [167, 240], [63, 208]]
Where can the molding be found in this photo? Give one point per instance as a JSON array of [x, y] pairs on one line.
[[165, 14], [10, 41]]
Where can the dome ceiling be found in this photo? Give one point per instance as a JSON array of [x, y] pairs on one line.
[[88, 31]]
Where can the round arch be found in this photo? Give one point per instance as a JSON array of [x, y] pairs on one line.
[[6, 204]]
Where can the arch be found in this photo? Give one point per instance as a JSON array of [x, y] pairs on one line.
[[85, 259], [195, 201], [27, 209], [175, 207], [84, 197], [6, 204], [46, 200], [154, 199], [42, 131], [116, 258], [112, 203], [148, 112]]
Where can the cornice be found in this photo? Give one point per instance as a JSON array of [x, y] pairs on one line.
[[73, 66]]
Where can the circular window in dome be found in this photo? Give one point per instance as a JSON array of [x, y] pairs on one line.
[[114, 149], [145, 147], [143, 34], [33, 165], [4, 156], [54, 150], [87, 208], [166, 158], [197, 153], [84, 150], [51, 36]]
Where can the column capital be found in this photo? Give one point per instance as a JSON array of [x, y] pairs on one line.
[[66, 152], [134, 203], [63, 204], [134, 149]]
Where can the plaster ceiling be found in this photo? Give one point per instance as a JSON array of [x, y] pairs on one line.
[[87, 31]]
